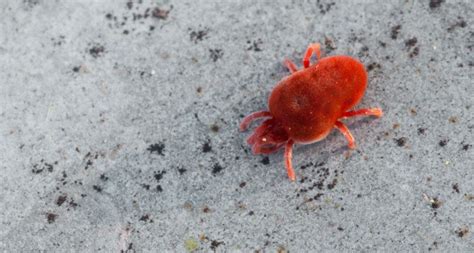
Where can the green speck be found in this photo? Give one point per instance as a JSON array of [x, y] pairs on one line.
[[191, 244]]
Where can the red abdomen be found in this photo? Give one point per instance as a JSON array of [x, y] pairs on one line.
[[308, 102]]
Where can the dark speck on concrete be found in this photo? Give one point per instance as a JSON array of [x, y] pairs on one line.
[[395, 32], [460, 23], [215, 244], [456, 187], [411, 42], [76, 69], [159, 188], [181, 170], [159, 175], [103, 177], [51, 217], [157, 148], [145, 217], [255, 45], [466, 147], [265, 160], [462, 232], [97, 188], [160, 13], [216, 54], [215, 128], [435, 4], [421, 130], [242, 184], [206, 147], [216, 168], [443, 143], [401, 141], [197, 36], [61, 199], [97, 51]]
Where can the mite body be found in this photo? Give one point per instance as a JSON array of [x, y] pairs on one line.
[[305, 106]]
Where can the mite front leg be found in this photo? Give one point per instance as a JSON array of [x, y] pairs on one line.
[[288, 157], [290, 65], [345, 131], [251, 117], [312, 48], [377, 112]]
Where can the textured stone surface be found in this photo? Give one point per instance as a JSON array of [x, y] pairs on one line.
[[118, 127]]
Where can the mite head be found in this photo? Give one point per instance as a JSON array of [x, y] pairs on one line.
[[268, 137]]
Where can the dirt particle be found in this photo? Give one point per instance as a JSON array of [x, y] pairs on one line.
[[215, 244], [97, 188], [255, 45], [129, 5], [216, 54], [51, 217], [265, 160], [159, 175], [456, 188], [109, 16], [146, 186], [242, 184], [435, 203], [414, 52], [395, 32], [159, 188], [373, 65], [411, 42], [421, 130], [214, 128], [453, 119], [216, 169], [206, 147], [332, 184], [466, 147], [157, 148], [97, 51], [435, 4], [340, 228], [199, 89], [206, 209], [61, 199], [76, 68], [401, 141], [329, 44], [160, 13], [196, 36], [145, 218], [443, 143], [460, 23], [181, 170], [103, 177], [462, 231]]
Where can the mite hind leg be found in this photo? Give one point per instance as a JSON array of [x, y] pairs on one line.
[[313, 48], [288, 162]]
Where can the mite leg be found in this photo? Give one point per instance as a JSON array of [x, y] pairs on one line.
[[288, 156], [312, 48], [345, 131], [251, 117], [377, 112], [290, 65]]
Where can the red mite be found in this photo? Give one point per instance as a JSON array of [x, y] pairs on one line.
[[306, 105]]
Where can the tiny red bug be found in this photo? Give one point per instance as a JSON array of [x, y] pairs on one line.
[[307, 104]]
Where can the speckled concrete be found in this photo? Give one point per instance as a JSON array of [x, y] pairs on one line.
[[118, 128]]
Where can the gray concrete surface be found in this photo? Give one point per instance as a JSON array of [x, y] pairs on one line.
[[118, 128]]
